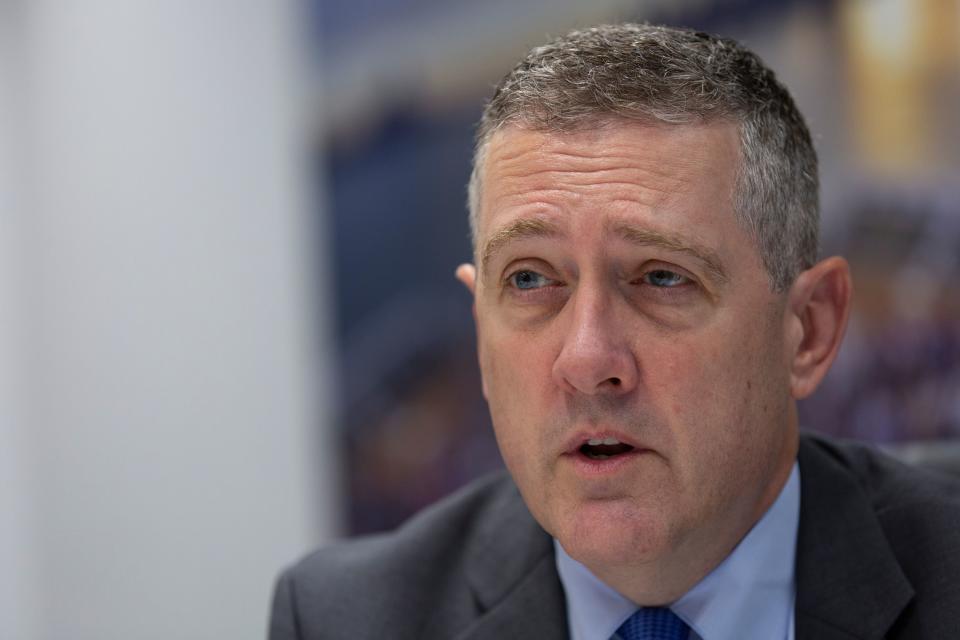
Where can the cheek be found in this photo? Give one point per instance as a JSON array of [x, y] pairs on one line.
[[515, 373], [685, 378], [721, 393], [514, 380], [733, 408]]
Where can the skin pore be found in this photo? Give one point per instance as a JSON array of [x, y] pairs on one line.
[[617, 297]]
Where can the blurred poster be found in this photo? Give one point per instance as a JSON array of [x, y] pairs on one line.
[[879, 81]]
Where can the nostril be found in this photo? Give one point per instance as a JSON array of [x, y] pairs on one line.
[[615, 382]]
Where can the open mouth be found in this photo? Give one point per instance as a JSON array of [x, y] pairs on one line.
[[604, 448]]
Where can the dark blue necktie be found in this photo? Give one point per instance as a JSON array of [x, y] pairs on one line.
[[654, 623]]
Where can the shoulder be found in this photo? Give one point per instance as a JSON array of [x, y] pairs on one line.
[[396, 584], [439, 534], [896, 491], [861, 506]]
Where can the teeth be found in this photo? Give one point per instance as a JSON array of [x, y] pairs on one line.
[[593, 442]]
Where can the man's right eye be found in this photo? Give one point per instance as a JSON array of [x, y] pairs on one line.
[[526, 280]]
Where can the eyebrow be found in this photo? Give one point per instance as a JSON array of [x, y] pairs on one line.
[[538, 228], [517, 230], [647, 238]]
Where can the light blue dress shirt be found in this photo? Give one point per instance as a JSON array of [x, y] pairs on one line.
[[748, 596]]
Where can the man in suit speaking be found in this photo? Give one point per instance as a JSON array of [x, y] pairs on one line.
[[649, 307]]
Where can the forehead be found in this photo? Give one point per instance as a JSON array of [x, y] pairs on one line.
[[676, 178]]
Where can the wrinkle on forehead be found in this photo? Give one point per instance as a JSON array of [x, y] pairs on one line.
[[533, 175], [523, 166], [508, 144], [519, 162]]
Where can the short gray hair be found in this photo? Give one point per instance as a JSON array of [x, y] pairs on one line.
[[660, 74]]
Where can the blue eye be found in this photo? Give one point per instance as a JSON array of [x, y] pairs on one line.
[[664, 278], [529, 280]]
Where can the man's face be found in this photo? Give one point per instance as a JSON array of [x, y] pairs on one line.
[[632, 351]]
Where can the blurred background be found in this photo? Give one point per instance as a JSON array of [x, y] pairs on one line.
[[229, 328], [879, 82]]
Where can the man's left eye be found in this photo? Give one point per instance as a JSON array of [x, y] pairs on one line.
[[664, 278], [529, 280]]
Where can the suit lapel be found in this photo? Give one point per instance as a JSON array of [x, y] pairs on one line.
[[514, 578], [849, 584], [534, 608]]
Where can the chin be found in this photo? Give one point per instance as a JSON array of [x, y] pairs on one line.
[[609, 534]]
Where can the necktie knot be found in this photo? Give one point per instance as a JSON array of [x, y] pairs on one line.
[[654, 623]]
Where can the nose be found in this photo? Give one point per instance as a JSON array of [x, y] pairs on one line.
[[596, 357]]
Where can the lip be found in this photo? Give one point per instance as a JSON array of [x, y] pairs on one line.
[[589, 468], [586, 467], [572, 444]]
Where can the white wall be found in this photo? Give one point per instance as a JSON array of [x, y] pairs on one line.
[[17, 554], [162, 454]]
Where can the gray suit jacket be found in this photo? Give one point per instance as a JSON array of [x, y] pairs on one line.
[[878, 556]]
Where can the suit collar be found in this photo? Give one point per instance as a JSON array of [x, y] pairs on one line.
[[849, 584], [513, 575]]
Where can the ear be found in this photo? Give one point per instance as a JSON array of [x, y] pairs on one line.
[[818, 304], [467, 274]]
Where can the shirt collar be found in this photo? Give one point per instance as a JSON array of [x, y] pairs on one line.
[[753, 588]]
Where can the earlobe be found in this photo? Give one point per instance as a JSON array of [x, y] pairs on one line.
[[467, 274], [819, 303]]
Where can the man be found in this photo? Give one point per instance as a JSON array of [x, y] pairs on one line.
[[649, 307]]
